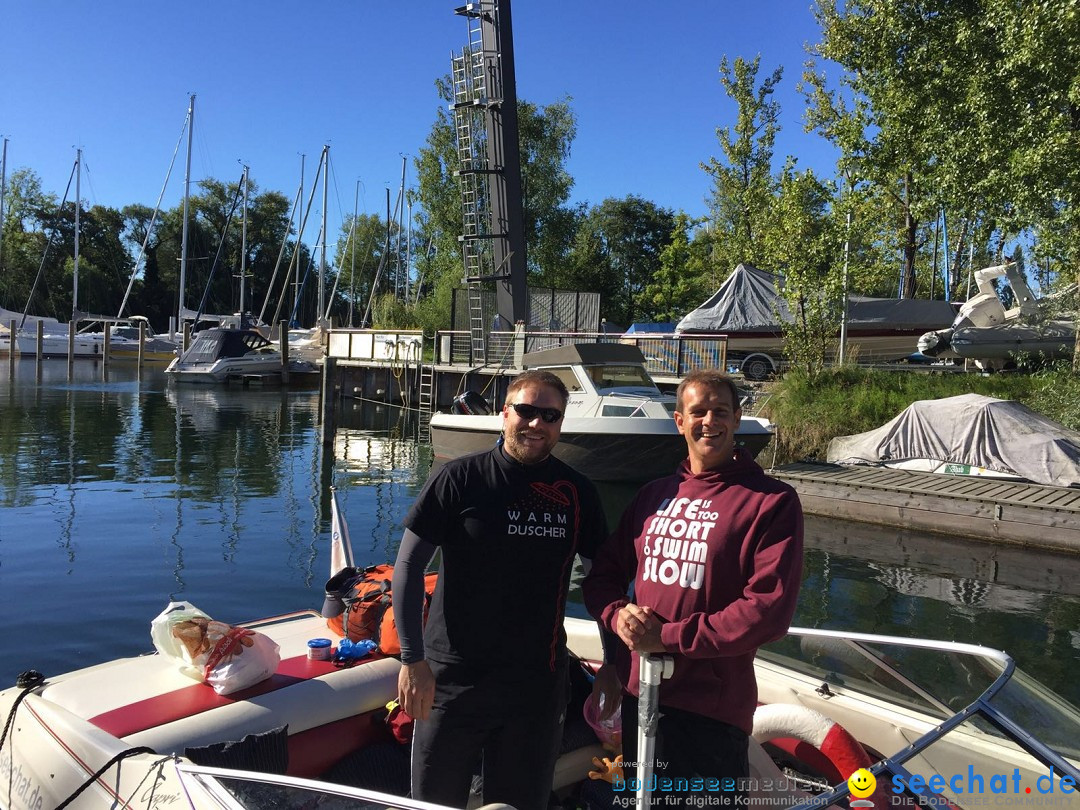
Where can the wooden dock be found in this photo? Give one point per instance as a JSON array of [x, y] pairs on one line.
[[981, 508]]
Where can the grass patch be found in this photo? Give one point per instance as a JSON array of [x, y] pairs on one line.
[[809, 412]]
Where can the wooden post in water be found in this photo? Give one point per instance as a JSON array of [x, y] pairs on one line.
[[329, 401], [71, 349], [11, 348], [283, 343], [106, 347], [40, 343], [142, 348]]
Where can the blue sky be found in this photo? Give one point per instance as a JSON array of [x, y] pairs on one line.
[[275, 79]]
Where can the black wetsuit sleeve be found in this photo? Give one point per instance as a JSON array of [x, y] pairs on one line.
[[414, 554]]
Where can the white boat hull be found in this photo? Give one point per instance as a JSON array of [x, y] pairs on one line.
[[56, 345], [627, 449]]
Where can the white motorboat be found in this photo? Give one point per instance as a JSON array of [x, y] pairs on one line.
[[956, 724], [220, 355], [55, 344], [994, 337], [124, 343], [618, 425]]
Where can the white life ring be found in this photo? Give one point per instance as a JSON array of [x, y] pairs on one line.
[[812, 727]]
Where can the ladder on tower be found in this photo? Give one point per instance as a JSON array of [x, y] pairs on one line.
[[427, 401], [470, 98]]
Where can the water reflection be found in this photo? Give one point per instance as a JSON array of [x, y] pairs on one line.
[[381, 466], [883, 580]]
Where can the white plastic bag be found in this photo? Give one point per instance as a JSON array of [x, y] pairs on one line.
[[226, 657], [161, 628]]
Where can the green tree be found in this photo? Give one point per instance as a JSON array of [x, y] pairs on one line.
[[803, 249], [617, 252], [27, 210], [743, 181], [970, 106], [679, 284]]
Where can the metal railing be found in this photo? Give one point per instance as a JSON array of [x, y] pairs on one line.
[[665, 355]]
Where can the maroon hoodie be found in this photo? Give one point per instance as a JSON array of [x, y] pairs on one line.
[[718, 557]]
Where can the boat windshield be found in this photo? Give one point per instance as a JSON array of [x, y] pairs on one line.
[[606, 377], [965, 768], [257, 790], [986, 722]]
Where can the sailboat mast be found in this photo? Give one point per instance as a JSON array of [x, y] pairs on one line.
[[3, 195], [184, 232], [78, 206], [302, 217], [400, 234], [322, 252], [243, 249], [352, 269]]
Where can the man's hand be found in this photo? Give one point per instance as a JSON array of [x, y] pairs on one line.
[[607, 683], [416, 689], [639, 628]]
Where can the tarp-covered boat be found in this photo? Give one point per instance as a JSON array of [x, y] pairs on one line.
[[969, 434], [749, 309]]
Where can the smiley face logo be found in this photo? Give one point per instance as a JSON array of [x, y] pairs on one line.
[[861, 783]]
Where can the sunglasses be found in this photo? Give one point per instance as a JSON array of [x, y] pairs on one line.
[[530, 412]]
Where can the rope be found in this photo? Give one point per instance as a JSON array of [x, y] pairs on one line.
[[29, 681], [142, 749]]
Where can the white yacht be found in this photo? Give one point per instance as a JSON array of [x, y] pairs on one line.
[[618, 425], [219, 355]]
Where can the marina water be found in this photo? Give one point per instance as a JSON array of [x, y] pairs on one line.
[[118, 495]]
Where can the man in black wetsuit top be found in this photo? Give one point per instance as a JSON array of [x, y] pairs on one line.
[[487, 680]]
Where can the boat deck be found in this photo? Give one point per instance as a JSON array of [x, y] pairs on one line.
[[982, 508]]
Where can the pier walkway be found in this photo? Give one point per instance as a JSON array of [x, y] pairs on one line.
[[982, 508]]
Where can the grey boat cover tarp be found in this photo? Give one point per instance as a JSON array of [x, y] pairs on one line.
[[997, 434], [749, 301]]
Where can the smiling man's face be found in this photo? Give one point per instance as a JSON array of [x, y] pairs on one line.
[[708, 420], [530, 441]]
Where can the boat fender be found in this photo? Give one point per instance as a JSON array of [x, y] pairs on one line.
[[777, 720], [470, 403]]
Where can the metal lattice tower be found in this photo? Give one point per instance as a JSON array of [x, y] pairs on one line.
[[485, 121]]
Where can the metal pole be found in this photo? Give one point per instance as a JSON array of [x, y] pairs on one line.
[[322, 251], [3, 194], [352, 268], [934, 264], [296, 251], [184, 230], [847, 253], [243, 252], [945, 252], [651, 670], [78, 206]]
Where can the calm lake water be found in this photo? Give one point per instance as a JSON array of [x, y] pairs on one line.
[[118, 495]]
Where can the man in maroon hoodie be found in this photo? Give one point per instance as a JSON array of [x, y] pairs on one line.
[[714, 556]]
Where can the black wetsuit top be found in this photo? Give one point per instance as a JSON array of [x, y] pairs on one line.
[[508, 533]]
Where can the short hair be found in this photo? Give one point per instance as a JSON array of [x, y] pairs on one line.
[[708, 378], [538, 377]]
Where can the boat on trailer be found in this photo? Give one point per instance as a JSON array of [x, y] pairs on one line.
[[618, 425], [953, 725]]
